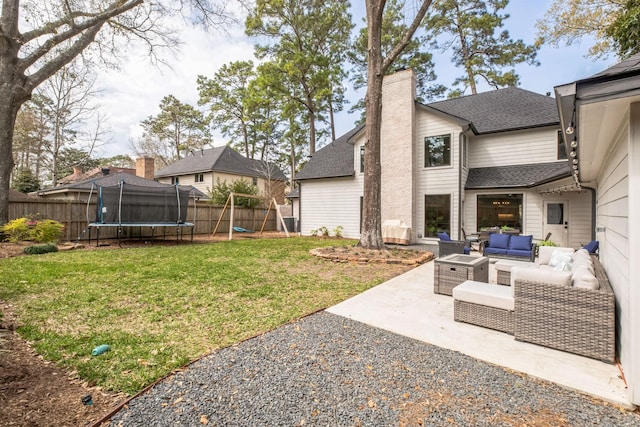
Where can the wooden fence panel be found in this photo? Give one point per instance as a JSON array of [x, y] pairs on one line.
[[73, 214]]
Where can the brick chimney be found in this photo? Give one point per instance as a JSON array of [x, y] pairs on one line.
[[77, 170], [145, 167], [398, 147]]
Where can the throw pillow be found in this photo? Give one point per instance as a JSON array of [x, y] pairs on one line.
[[520, 243], [444, 236], [545, 252], [592, 246], [557, 257], [564, 262]]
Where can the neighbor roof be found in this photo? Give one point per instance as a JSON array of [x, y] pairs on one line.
[[516, 176], [113, 179], [502, 110], [220, 159]]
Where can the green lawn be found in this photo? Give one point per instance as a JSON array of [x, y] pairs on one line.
[[160, 307]]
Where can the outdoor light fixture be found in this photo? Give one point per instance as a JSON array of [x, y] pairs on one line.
[[570, 129], [574, 144]]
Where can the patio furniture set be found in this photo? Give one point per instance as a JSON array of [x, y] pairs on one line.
[[563, 300]]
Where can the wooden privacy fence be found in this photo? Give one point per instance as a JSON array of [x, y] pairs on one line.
[[73, 214]]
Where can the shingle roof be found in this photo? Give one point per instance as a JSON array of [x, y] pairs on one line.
[[629, 65], [516, 176], [113, 179], [501, 110], [293, 194], [331, 161], [220, 159]]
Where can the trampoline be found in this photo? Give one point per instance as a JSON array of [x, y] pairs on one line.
[[127, 205]]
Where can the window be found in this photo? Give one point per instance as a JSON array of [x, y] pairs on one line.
[[499, 210], [255, 180], [199, 177], [362, 159], [437, 151], [562, 147], [175, 180], [437, 214]]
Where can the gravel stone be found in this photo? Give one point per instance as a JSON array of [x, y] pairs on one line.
[[327, 370]]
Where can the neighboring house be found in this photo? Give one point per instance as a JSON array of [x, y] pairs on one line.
[[84, 189], [79, 176], [601, 119], [203, 169], [492, 159]]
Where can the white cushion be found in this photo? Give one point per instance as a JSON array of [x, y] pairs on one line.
[[559, 278], [545, 252], [486, 294], [583, 278], [507, 265], [580, 262]]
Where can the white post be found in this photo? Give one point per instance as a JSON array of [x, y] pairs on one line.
[[279, 216], [231, 196]]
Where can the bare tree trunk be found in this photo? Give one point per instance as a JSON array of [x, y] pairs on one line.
[[371, 236], [8, 113]]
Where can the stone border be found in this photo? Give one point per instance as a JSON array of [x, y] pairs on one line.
[[360, 259]]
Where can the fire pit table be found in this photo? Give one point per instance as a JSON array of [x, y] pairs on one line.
[[452, 270]]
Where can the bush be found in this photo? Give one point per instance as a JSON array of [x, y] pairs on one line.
[[220, 193], [33, 229], [40, 249]]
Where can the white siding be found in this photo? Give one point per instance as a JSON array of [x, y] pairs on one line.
[[330, 203], [579, 215], [631, 354], [513, 148], [613, 234], [436, 180]]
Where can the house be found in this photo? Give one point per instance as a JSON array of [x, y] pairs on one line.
[[492, 159], [204, 168], [600, 116], [84, 189], [78, 175]]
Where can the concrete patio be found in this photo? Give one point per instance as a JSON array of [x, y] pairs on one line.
[[408, 306]]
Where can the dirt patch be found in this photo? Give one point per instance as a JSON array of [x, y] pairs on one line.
[[359, 255], [34, 392]]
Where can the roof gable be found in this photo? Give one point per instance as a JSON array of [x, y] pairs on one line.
[[220, 159], [501, 110]]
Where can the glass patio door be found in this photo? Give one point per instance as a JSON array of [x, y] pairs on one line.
[[556, 221]]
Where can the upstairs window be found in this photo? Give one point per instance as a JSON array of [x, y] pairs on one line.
[[255, 180], [362, 159], [199, 177], [437, 151], [175, 180]]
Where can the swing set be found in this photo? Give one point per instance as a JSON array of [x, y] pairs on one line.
[[231, 202]]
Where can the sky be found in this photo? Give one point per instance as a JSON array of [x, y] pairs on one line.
[[134, 93]]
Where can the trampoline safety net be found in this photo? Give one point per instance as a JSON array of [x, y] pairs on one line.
[[132, 204]]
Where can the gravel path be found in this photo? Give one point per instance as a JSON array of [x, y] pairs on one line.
[[326, 370]]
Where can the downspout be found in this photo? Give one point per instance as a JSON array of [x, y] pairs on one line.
[[461, 155]]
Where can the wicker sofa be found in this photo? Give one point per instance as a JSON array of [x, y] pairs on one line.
[[569, 318], [550, 308]]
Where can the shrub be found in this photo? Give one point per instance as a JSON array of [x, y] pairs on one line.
[[338, 231], [33, 229], [40, 249], [324, 231], [547, 243], [220, 193], [16, 230]]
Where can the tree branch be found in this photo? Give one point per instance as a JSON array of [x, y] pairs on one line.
[[406, 38]]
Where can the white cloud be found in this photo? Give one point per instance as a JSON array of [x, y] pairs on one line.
[[133, 93]]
